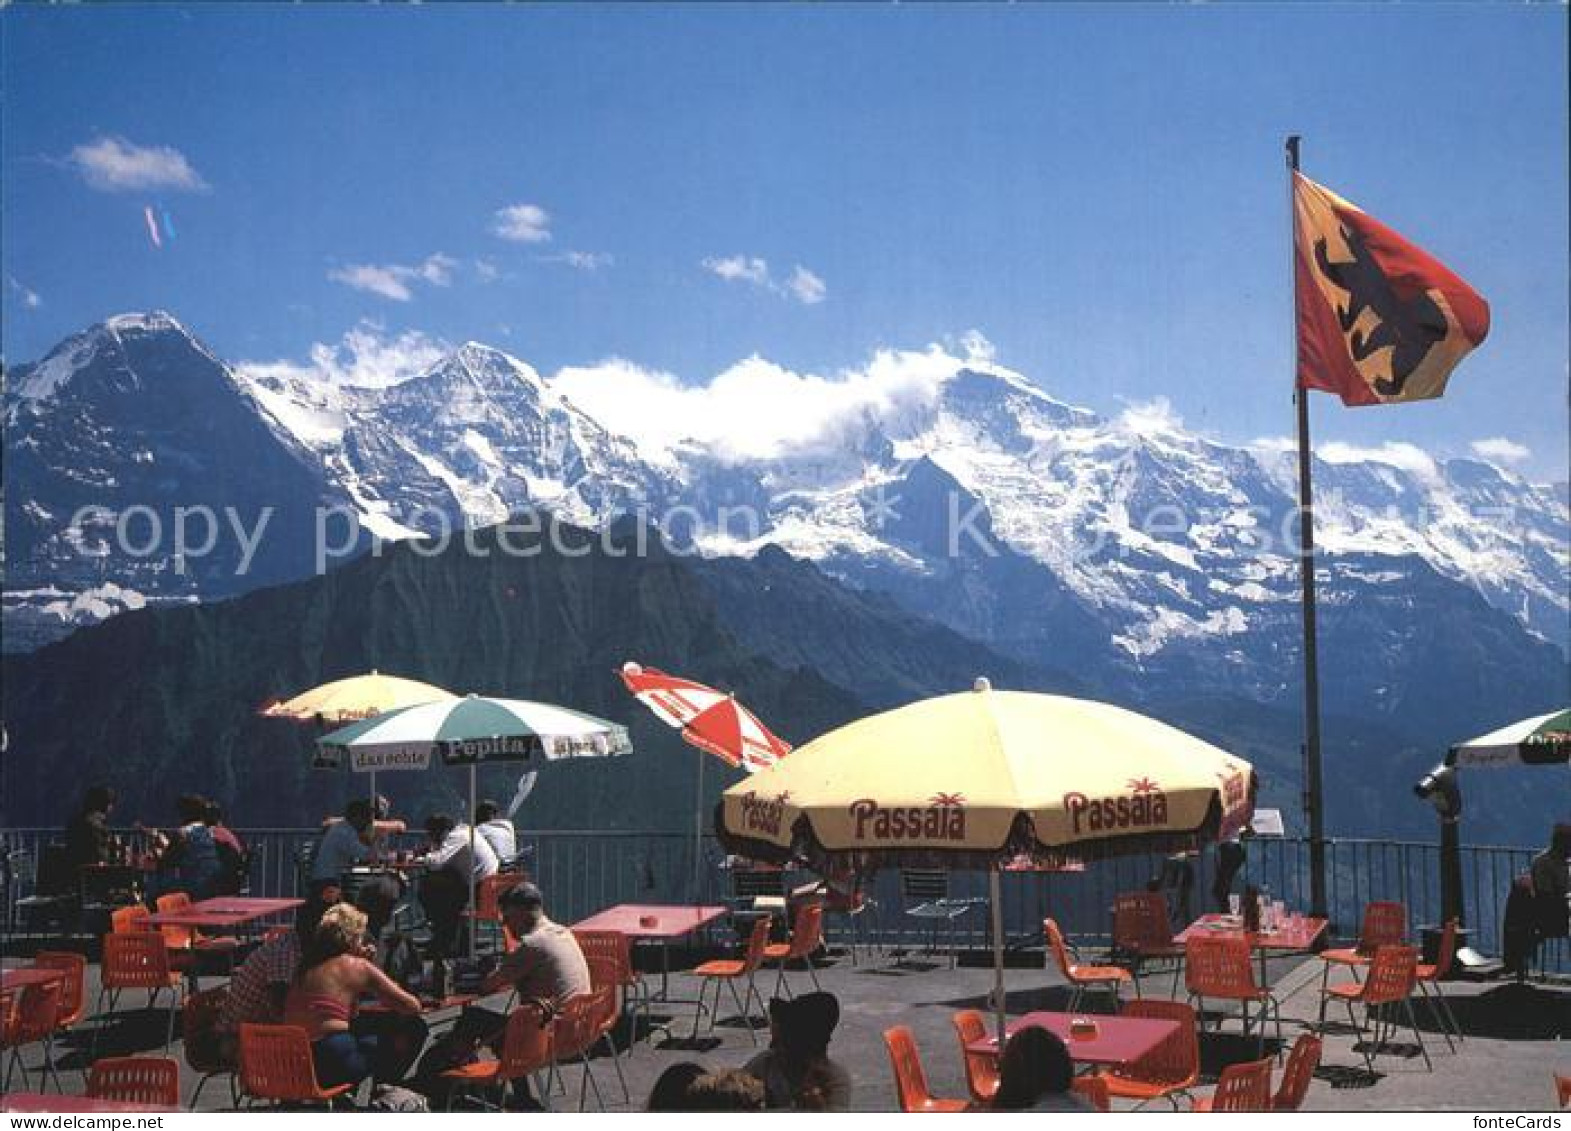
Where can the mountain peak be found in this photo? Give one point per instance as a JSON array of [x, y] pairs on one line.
[[145, 322]]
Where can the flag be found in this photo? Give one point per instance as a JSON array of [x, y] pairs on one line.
[[1380, 320]]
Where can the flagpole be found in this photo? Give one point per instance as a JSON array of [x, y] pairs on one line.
[[1314, 794]]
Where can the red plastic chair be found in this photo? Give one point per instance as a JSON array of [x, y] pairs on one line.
[[1242, 1088], [1222, 968], [1141, 933], [138, 961], [1385, 924], [1301, 1065], [34, 1018], [488, 900], [605, 978], [729, 971], [1563, 1089], [136, 1080], [1167, 1071], [616, 947], [526, 1051], [275, 1065], [72, 968], [1432, 974], [1391, 978], [981, 1067], [578, 1029], [1080, 976], [129, 920], [910, 1079], [199, 1037], [1094, 1089], [807, 935]]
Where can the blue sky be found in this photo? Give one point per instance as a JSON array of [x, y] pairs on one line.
[[1099, 191]]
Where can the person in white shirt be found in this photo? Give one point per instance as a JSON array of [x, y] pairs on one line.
[[451, 865], [497, 831]]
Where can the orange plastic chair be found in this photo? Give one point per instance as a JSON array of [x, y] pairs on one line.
[[73, 992], [1167, 1071], [136, 1080], [1432, 974], [1301, 1065], [910, 1080], [1385, 924], [605, 976], [729, 971], [616, 947], [981, 1067], [1082, 977], [198, 1032], [488, 899], [275, 1065], [1241, 1088], [1222, 968], [1141, 933], [1563, 1089], [138, 961], [34, 1019], [526, 1051], [1094, 1089], [190, 938], [807, 934], [578, 1029], [1391, 978], [126, 920]]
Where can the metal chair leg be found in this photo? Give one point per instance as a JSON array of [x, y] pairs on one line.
[[1434, 1012], [616, 1063], [1412, 1022]]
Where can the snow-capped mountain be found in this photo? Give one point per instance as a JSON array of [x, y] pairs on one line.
[[952, 483]]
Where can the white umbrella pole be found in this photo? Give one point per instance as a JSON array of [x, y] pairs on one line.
[[473, 923], [698, 835], [996, 898]]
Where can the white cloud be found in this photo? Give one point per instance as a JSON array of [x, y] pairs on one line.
[[365, 356], [393, 280], [28, 297], [522, 223], [801, 284], [759, 410], [1499, 449], [1408, 457], [113, 164], [1156, 417], [1273, 445], [581, 260], [486, 271]]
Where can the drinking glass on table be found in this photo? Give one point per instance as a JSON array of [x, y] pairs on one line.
[[1234, 903]]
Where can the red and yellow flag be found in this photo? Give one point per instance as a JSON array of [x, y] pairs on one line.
[[1380, 320]]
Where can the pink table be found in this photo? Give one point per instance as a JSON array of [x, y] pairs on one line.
[[1293, 936], [1118, 1040], [668, 922], [39, 1102], [16, 979], [224, 912]]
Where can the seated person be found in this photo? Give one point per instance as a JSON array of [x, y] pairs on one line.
[[795, 1069], [334, 975], [260, 983], [233, 859], [451, 867], [88, 841], [498, 832], [1551, 872], [188, 857], [1035, 1073], [349, 841]]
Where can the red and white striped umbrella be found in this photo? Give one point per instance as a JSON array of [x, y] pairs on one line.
[[708, 719]]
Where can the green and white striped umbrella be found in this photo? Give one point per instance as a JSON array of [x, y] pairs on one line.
[[471, 730], [1542, 740]]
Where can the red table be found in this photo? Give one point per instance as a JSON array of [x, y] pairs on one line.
[[1118, 1040], [668, 922], [224, 912], [19, 978], [1294, 935], [38, 1102]]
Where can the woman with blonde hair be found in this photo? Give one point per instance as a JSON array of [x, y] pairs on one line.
[[335, 972]]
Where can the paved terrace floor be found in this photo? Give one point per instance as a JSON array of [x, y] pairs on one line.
[[1517, 1036]]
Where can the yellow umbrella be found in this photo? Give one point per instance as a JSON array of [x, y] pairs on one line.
[[975, 779], [358, 697]]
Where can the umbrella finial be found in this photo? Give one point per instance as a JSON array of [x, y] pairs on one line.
[[631, 668], [982, 684]]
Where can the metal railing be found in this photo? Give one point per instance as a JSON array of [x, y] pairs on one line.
[[583, 871]]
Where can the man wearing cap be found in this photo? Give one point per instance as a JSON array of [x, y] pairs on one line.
[[547, 966], [795, 1069]]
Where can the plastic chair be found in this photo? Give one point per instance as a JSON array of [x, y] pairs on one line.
[[33, 1019], [728, 971], [275, 1065], [925, 892], [1141, 933], [807, 934], [577, 1031], [981, 1067], [1384, 924], [605, 976], [199, 1035], [488, 898], [1390, 983], [618, 948], [129, 920], [1094, 1089], [1222, 968], [1242, 1088], [73, 990], [1301, 1065], [1563, 1089], [1432, 974], [1167, 1071], [136, 1080], [910, 1080], [526, 1051], [138, 961], [1080, 976]]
